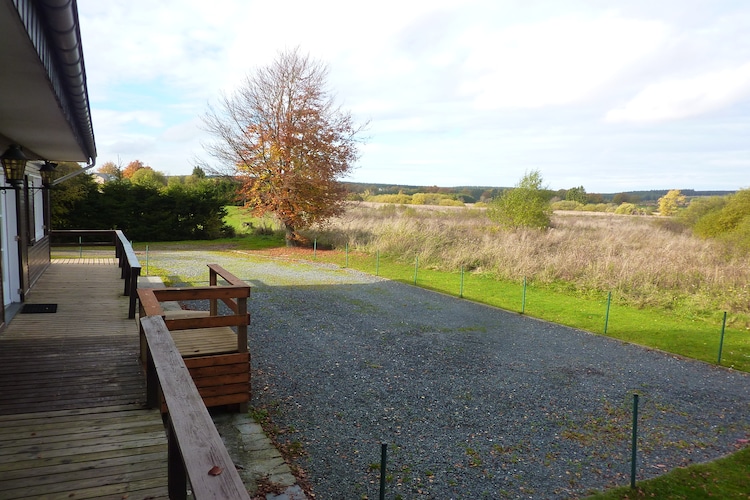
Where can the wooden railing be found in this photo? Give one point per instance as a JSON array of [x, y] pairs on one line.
[[216, 355], [127, 260], [196, 452], [234, 295]]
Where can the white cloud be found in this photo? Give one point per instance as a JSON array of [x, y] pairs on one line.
[[117, 119], [554, 62], [686, 97], [183, 132]]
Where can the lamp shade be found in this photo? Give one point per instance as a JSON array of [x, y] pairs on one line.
[[14, 164], [46, 172]]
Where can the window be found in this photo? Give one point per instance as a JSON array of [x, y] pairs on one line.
[[35, 209]]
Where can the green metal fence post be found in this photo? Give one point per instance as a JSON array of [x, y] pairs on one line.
[[461, 291], [721, 343], [634, 445], [416, 267], [606, 316], [377, 263], [383, 458], [523, 298]]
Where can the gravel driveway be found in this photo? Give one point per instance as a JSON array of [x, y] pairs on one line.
[[474, 402]]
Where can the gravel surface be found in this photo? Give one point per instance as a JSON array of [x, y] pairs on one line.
[[474, 402]]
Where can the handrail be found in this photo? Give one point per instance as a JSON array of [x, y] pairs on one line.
[[131, 268], [127, 259], [234, 295], [195, 449], [150, 298]]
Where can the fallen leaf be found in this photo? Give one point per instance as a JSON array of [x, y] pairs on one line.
[[215, 470]]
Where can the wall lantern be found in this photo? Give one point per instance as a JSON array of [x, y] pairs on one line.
[[46, 173], [14, 164]]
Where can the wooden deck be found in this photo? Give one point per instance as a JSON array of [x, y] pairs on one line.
[[72, 394]]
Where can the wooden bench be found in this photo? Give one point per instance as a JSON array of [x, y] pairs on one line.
[[216, 356]]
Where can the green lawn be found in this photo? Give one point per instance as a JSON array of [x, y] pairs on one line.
[[726, 478], [244, 223]]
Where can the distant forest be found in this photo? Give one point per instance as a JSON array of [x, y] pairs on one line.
[[471, 194]]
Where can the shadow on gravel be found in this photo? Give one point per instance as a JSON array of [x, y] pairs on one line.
[[474, 402]]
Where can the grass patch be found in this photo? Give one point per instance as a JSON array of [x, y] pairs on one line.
[[244, 223], [727, 478], [246, 242]]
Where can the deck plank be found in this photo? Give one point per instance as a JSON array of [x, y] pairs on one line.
[[73, 422]]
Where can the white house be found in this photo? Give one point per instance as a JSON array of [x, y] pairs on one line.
[[44, 118]]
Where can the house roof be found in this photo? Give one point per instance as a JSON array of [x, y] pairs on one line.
[[44, 104]]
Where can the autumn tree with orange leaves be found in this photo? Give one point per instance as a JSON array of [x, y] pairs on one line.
[[132, 168], [288, 142]]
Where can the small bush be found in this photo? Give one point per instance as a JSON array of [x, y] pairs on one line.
[[599, 207], [700, 207], [627, 209], [739, 238], [567, 205], [720, 217], [399, 199], [524, 206], [451, 203]]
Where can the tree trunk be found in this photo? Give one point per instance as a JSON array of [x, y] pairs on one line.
[[291, 236]]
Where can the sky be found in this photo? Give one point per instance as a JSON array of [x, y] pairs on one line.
[[609, 95]]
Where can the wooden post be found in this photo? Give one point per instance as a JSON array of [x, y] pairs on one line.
[[123, 267], [213, 309], [176, 474], [134, 274], [242, 346], [152, 382]]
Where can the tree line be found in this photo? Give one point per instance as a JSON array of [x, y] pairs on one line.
[[182, 208]]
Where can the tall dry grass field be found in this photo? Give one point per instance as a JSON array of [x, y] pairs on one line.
[[639, 259]]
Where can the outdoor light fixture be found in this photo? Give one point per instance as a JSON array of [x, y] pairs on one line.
[[14, 164], [46, 173]]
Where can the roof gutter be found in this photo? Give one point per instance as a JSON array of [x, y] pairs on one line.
[[54, 31], [64, 178]]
